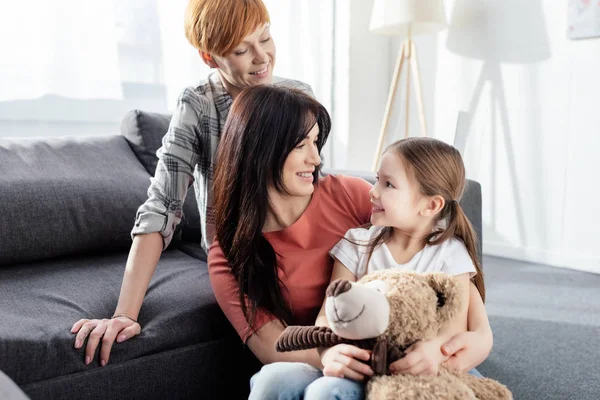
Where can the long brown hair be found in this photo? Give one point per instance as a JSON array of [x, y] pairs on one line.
[[264, 125], [438, 169]]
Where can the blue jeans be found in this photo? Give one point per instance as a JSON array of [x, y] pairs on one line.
[[292, 381]]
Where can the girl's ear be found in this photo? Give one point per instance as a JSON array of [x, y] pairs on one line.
[[433, 205], [208, 60]]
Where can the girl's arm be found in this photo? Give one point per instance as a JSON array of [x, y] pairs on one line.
[[469, 349]]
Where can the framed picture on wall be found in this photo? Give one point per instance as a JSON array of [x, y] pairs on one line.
[[583, 19]]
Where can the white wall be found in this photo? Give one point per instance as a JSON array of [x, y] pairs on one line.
[[530, 132]]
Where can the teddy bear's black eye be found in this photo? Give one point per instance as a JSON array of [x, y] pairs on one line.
[[441, 299]]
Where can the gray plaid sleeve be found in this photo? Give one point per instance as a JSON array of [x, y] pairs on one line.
[[181, 151]]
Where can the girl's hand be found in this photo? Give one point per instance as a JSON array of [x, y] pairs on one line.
[[468, 349], [422, 358], [343, 361], [108, 330]]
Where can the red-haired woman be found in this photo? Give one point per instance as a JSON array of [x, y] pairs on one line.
[[232, 37]]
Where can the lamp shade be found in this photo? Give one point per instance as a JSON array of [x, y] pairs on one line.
[[394, 17]]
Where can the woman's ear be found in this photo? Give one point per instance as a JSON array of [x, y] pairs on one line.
[[208, 60], [433, 205]]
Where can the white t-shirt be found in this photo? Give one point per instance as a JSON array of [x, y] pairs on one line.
[[450, 257]]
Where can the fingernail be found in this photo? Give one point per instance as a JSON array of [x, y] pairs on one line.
[[77, 344], [121, 338], [103, 363], [87, 360]]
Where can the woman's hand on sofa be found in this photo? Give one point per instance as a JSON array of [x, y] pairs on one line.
[[107, 330]]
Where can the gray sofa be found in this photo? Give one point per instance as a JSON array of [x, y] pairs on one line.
[[68, 207]]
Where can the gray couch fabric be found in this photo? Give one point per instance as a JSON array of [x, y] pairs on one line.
[[40, 302], [66, 196]]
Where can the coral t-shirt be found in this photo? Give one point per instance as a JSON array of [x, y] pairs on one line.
[[304, 265]]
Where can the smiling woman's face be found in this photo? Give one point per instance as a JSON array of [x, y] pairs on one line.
[[300, 164], [250, 63]]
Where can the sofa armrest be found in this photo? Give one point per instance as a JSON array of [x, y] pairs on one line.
[[470, 202]]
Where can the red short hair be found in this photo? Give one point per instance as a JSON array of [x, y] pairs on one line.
[[218, 26]]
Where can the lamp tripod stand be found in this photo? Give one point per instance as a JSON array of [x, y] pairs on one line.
[[408, 55]]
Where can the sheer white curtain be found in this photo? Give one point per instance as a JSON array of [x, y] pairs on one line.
[[87, 50], [73, 67], [62, 47]]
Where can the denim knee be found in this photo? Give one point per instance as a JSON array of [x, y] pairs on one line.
[[475, 373], [282, 381], [331, 388]]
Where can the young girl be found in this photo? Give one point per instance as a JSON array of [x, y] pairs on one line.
[[417, 225]]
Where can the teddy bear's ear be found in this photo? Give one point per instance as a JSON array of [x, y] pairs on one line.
[[447, 291]]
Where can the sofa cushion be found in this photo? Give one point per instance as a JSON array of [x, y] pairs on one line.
[[144, 131], [63, 196], [41, 302]]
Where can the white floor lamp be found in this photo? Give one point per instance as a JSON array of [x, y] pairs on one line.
[[405, 17]]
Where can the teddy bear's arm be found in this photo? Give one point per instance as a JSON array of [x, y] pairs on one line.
[[306, 337]]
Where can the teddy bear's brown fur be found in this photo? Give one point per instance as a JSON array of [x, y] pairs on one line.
[[420, 304]]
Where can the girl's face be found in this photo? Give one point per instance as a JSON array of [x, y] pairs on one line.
[[250, 63], [396, 197], [300, 165]]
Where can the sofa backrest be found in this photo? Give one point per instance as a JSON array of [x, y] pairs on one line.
[[63, 196]]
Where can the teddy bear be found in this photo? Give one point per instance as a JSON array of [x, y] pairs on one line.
[[387, 311]]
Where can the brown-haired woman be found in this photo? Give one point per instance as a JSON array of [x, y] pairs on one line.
[[276, 221], [232, 37]]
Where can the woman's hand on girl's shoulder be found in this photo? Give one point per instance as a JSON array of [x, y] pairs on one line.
[[344, 361]]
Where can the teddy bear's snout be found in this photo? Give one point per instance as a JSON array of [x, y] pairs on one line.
[[338, 287]]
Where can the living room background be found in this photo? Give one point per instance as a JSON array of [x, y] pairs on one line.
[[518, 101]]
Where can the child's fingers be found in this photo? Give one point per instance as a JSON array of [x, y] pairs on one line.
[[454, 363], [350, 374], [457, 343], [416, 369], [406, 362], [339, 370], [355, 352]]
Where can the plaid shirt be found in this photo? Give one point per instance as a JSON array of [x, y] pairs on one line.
[[187, 156]]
